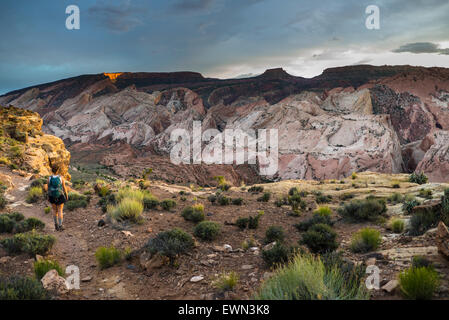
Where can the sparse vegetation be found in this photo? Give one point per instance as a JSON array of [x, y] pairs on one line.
[[274, 233], [255, 189], [419, 283], [127, 209], [21, 288], [316, 219], [223, 200], [207, 230], [237, 201], [409, 204], [321, 198], [168, 204], [171, 243], [108, 257], [31, 243], [366, 240], [194, 213], [41, 267], [395, 198], [296, 203], [34, 194], [280, 253], [307, 278], [265, 197], [226, 281], [397, 225], [320, 238], [251, 222], [425, 193], [418, 177], [368, 209], [323, 211]]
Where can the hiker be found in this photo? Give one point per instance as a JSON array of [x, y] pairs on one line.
[[57, 195]]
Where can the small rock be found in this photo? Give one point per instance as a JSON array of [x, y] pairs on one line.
[[247, 267], [130, 267], [269, 246], [253, 249], [86, 279], [127, 233], [390, 286], [101, 223], [210, 214], [4, 259], [227, 248], [196, 279], [211, 256]]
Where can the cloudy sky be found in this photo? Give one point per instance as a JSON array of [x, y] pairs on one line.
[[219, 38]]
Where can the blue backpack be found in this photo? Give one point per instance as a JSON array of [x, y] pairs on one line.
[[55, 187]]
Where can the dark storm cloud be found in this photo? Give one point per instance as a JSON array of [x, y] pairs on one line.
[[119, 18], [421, 47]]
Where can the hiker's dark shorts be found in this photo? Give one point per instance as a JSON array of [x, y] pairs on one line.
[[60, 200]]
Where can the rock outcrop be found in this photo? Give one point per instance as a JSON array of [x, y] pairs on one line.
[[442, 239], [25, 146]]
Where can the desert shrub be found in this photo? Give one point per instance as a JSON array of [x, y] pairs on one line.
[[397, 225], [323, 211], [279, 202], [366, 240], [75, 204], [280, 253], [6, 224], [320, 238], [409, 204], [47, 210], [127, 210], [237, 201], [265, 197], [108, 257], [274, 233], [207, 230], [418, 177], [41, 267], [395, 198], [106, 201], [255, 189], [420, 261], [296, 202], [38, 183], [150, 201], [242, 222], [16, 216], [21, 288], [354, 176], [293, 191], [418, 283], [212, 198], [395, 185], [248, 243], [168, 204], [362, 210], [445, 203], [103, 191], [251, 222], [34, 194], [31, 243], [425, 193], [346, 196], [194, 213], [322, 198], [29, 224], [226, 281], [353, 275], [316, 219], [128, 193], [424, 219], [306, 277], [73, 196], [171, 243], [223, 200], [222, 183], [3, 201]]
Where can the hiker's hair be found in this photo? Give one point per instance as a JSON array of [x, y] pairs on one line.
[[54, 169]]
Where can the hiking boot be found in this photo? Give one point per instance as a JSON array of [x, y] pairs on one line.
[[61, 228], [56, 227]]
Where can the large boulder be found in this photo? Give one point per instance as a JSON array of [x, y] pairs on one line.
[[442, 239], [54, 283]]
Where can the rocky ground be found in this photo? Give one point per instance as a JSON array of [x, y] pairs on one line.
[[192, 276]]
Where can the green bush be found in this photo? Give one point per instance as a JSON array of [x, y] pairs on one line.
[[397, 225], [6, 224], [255, 189], [47, 210], [29, 224], [127, 209], [194, 213], [353, 275], [418, 283], [346, 196], [316, 219], [279, 254], [226, 281], [323, 211], [237, 201], [320, 238], [21, 288], [409, 204], [171, 243], [31, 243], [16, 216], [242, 223], [265, 197], [128, 193], [307, 278], [366, 240], [395, 198], [75, 204], [253, 221], [41, 268], [207, 230], [321, 198], [38, 183], [425, 193], [150, 201], [168, 204], [108, 257], [76, 196], [3, 201], [419, 178], [274, 233], [293, 191], [106, 201], [212, 198], [223, 200], [296, 203], [34, 194], [368, 209], [420, 261]]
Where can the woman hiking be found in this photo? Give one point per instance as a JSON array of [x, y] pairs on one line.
[[57, 195]]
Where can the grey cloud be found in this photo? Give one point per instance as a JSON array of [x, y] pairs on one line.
[[119, 18], [192, 5], [421, 47]]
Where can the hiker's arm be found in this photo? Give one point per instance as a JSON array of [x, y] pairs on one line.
[[46, 186], [65, 189]]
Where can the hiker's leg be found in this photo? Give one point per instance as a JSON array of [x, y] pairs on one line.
[[55, 214], [60, 214]]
